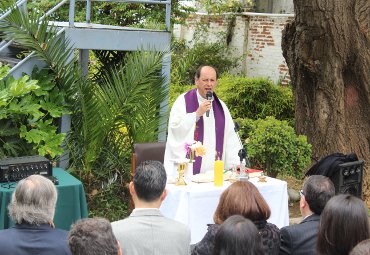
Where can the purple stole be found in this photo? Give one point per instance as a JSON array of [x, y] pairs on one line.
[[191, 101]]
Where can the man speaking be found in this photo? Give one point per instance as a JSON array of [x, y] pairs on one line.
[[199, 115]]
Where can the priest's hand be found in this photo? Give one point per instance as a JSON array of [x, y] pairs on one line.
[[203, 107]]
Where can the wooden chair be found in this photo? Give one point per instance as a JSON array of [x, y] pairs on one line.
[[147, 151], [143, 152]]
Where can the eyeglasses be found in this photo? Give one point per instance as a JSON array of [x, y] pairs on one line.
[[301, 192]]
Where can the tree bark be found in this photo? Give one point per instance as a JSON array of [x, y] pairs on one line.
[[327, 49]]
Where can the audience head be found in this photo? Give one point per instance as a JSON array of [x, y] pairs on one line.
[[33, 201], [344, 223], [362, 248], [238, 236], [93, 236], [241, 198], [317, 190], [149, 181]]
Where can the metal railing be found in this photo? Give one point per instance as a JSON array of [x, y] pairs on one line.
[[23, 4], [88, 8]]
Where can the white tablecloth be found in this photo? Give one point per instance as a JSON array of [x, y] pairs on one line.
[[195, 204]]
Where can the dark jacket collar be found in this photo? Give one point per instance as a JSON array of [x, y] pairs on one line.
[[313, 217], [25, 225]]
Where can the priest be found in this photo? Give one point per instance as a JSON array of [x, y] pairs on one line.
[[199, 115]]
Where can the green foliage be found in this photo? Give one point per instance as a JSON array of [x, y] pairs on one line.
[[222, 6], [255, 98], [114, 13], [27, 116], [110, 203], [273, 146], [108, 114], [122, 109]]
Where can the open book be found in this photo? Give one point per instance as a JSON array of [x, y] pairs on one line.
[[253, 172]]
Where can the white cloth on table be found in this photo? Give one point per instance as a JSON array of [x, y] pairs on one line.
[[181, 127], [195, 204]]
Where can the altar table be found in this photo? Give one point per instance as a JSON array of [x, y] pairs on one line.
[[195, 204], [71, 204]]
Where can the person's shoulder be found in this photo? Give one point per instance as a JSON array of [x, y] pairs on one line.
[[296, 229], [177, 224], [6, 234], [179, 100], [58, 231], [121, 222], [271, 226], [182, 96], [213, 227]]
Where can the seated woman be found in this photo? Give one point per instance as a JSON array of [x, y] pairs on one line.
[[238, 236], [241, 198], [344, 223]]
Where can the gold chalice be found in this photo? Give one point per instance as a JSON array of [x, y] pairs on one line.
[[181, 168]]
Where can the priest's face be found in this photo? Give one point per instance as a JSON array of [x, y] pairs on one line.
[[206, 81]]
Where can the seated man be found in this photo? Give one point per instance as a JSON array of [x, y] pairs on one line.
[[301, 238], [32, 209], [93, 236], [146, 230]]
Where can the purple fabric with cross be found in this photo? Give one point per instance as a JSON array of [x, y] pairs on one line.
[[191, 101]]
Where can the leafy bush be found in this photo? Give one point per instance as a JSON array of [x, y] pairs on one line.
[[29, 110], [255, 98], [273, 146]]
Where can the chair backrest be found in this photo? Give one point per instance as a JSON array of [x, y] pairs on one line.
[[147, 151]]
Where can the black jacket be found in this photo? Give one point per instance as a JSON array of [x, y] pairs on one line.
[[300, 239]]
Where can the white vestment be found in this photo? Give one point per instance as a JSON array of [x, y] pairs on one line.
[[181, 127]]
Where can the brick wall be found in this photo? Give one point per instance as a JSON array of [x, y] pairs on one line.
[[256, 37]]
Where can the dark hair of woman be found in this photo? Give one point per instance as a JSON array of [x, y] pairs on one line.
[[238, 236], [344, 223], [242, 198]]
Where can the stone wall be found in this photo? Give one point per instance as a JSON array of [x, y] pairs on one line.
[[274, 6], [255, 37]]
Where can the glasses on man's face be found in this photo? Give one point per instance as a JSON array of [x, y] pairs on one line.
[[301, 192]]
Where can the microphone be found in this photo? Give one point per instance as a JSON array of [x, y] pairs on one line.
[[209, 96], [242, 152]]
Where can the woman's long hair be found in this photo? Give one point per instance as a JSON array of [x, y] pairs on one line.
[[238, 236], [344, 223]]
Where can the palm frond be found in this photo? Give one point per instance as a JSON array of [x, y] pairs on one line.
[[37, 35], [131, 96]]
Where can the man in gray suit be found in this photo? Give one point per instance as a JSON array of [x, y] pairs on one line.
[[301, 239], [146, 230]]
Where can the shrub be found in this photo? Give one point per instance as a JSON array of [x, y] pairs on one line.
[[29, 110], [255, 98], [274, 147]]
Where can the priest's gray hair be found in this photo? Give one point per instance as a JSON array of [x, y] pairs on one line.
[[33, 201]]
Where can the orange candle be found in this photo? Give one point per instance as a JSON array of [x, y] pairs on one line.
[[219, 172]]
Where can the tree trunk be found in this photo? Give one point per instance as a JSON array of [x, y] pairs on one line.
[[327, 49]]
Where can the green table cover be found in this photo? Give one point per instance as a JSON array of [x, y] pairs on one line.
[[71, 203]]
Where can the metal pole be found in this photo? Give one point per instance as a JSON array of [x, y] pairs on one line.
[[168, 16], [71, 13], [88, 11]]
